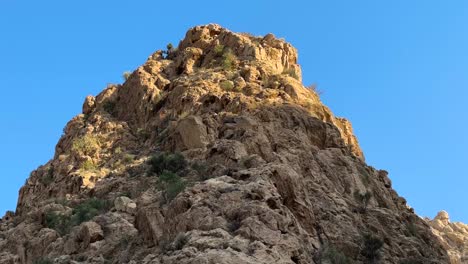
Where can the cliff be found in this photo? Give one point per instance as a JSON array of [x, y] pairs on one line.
[[212, 152]]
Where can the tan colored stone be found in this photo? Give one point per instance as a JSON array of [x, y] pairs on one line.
[[193, 132], [452, 236], [125, 204], [90, 232], [88, 105]]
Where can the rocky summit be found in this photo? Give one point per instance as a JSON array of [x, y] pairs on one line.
[[453, 236], [214, 152]]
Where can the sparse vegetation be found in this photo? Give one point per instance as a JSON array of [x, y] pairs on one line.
[[218, 49], [291, 72], [87, 145], [371, 247], [333, 256], [364, 174], [180, 241], [83, 212], [412, 230], [235, 222], [168, 166], [413, 261], [118, 151], [228, 59], [43, 261], [201, 169], [126, 75], [89, 209], [227, 85], [225, 56], [109, 107], [125, 241], [172, 184], [61, 201], [169, 47], [363, 200], [143, 134], [174, 162], [59, 222], [172, 242], [88, 165], [128, 158], [256, 40], [48, 178]]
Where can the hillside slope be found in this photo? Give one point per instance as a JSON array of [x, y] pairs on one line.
[[266, 174]]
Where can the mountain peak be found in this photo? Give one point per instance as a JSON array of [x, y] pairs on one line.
[[452, 236], [212, 152], [271, 55]]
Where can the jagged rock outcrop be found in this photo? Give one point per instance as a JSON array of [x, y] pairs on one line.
[[267, 173], [453, 236]]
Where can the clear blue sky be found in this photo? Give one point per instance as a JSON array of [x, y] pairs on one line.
[[397, 69]]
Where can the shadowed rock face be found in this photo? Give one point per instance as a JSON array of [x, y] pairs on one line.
[[272, 177]]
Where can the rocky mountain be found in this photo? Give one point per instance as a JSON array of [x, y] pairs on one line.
[[212, 152], [453, 236]]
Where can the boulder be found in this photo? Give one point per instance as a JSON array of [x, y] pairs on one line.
[[90, 232], [125, 204], [193, 132], [89, 104]]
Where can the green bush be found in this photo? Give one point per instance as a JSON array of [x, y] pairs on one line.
[[89, 209], [291, 72], [169, 47], [172, 184], [218, 49], [372, 245], [59, 222], [412, 229], [48, 178], [413, 261], [88, 165], [43, 261], [81, 213], [202, 170], [128, 158], [86, 145], [168, 162], [333, 256], [228, 59], [227, 85]]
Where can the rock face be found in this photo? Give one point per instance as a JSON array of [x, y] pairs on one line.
[[213, 152], [453, 237], [125, 204]]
